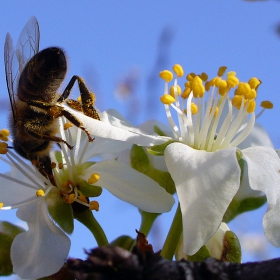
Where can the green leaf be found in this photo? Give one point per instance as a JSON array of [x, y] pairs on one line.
[[231, 248], [238, 207], [124, 241], [87, 189], [8, 232], [140, 161], [158, 150], [60, 211], [200, 255]]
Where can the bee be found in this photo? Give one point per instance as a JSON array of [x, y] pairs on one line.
[[33, 78]]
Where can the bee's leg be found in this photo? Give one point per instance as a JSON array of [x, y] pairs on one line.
[[88, 98], [29, 129], [55, 111], [77, 123]]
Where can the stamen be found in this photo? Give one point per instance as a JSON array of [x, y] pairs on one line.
[[166, 75], [4, 133], [67, 125], [94, 205], [178, 69], [93, 178], [3, 148], [40, 193]]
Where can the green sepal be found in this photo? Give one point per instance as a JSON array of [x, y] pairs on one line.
[[200, 255], [87, 219], [238, 207], [124, 241], [158, 131], [8, 232], [87, 189], [147, 220], [140, 161], [60, 211], [158, 150], [231, 248]]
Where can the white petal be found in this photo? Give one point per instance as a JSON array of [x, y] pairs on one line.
[[131, 186], [42, 250], [264, 175], [105, 130], [257, 137], [206, 183], [12, 193]]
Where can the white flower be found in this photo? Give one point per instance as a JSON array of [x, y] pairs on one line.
[[204, 161], [42, 250]]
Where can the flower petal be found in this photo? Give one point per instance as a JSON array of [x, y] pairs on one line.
[[257, 137], [206, 182], [12, 193], [131, 186], [42, 250], [263, 172], [105, 130]]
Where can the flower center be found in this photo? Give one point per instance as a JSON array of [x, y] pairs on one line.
[[212, 121]]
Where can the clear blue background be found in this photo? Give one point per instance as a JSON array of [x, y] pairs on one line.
[[107, 41]]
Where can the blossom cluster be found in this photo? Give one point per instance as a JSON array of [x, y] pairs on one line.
[[212, 156]]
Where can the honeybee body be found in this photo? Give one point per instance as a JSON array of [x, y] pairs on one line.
[[39, 81], [33, 85]]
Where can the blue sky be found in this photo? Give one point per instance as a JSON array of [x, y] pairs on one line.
[[106, 40]]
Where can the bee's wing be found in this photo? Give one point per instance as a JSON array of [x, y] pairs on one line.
[[27, 47], [28, 42]]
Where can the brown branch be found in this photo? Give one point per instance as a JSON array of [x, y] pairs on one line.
[[114, 263]]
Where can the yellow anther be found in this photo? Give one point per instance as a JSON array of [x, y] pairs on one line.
[[67, 125], [232, 80], [203, 76], [71, 198], [79, 99], [94, 205], [167, 99], [40, 193], [267, 104], [1, 205], [216, 111], [208, 84], [189, 84], [4, 132], [197, 80], [194, 108], [198, 90], [3, 148], [93, 178], [166, 75], [251, 107], [242, 89], [83, 198], [251, 95], [67, 184], [237, 101], [190, 76], [224, 90], [215, 81], [222, 71], [186, 93], [254, 83], [172, 91], [220, 83], [178, 69]]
